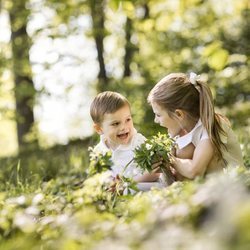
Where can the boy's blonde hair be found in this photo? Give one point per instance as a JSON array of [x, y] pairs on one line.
[[176, 91], [106, 102]]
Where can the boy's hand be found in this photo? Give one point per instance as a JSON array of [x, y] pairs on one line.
[[116, 187], [156, 166]]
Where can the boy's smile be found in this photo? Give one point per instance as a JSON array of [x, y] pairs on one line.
[[123, 136], [117, 128]]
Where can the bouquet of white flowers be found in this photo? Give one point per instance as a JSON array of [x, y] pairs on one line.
[[102, 162], [156, 149], [99, 162]]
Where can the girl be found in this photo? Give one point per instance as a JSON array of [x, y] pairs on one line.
[[205, 142]]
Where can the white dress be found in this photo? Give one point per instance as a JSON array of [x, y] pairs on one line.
[[232, 155]]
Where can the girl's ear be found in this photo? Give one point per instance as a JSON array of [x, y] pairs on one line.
[[179, 113], [98, 128]]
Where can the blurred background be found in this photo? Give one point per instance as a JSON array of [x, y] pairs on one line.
[[55, 56]]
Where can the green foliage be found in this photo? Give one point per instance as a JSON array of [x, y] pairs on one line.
[[166, 37], [99, 162], [103, 191], [31, 167], [212, 211], [153, 150], [101, 187], [46, 202]]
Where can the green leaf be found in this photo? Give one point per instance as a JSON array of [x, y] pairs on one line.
[[218, 59], [211, 48], [159, 146]]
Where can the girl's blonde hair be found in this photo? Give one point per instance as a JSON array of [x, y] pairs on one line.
[[176, 91]]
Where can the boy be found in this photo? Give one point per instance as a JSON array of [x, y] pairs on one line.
[[111, 114]]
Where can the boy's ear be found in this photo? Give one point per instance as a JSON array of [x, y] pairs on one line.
[[97, 128]]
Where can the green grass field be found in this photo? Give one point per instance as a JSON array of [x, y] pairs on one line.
[[46, 203]]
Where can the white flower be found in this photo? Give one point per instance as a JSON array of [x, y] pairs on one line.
[[32, 211], [37, 198], [148, 146], [17, 200], [125, 192], [62, 219], [24, 222], [125, 185]]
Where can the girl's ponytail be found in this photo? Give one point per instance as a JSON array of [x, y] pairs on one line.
[[209, 119], [207, 114]]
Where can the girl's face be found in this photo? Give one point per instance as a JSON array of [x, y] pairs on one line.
[[162, 117], [117, 127]]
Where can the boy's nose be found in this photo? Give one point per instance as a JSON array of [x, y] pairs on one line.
[[123, 126], [156, 120]]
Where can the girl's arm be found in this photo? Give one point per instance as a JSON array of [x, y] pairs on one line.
[[196, 166]]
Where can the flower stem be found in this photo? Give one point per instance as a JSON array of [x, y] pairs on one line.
[[125, 168], [169, 178]]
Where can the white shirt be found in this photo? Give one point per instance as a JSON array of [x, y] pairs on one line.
[[232, 155], [197, 134], [122, 155]]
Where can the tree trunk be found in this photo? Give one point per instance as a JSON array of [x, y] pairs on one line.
[[128, 48], [131, 48], [24, 87], [98, 19]]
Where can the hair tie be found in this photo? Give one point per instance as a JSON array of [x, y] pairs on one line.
[[193, 79]]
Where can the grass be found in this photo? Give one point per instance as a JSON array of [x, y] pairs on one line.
[[46, 204]]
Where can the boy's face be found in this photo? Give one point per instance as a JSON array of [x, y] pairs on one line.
[[117, 127]]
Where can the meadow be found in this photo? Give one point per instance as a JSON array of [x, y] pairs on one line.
[[47, 201]]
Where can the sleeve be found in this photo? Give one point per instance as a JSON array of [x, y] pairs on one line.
[[204, 134], [101, 148], [139, 140], [199, 135]]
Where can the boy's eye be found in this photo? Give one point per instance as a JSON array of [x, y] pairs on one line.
[[115, 124], [129, 119]]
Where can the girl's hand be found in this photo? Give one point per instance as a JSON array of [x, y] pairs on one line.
[[169, 173], [173, 170], [175, 173]]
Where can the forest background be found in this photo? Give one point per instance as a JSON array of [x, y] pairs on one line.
[[125, 46], [55, 56]]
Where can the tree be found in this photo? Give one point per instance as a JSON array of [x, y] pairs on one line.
[[24, 87], [97, 8]]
